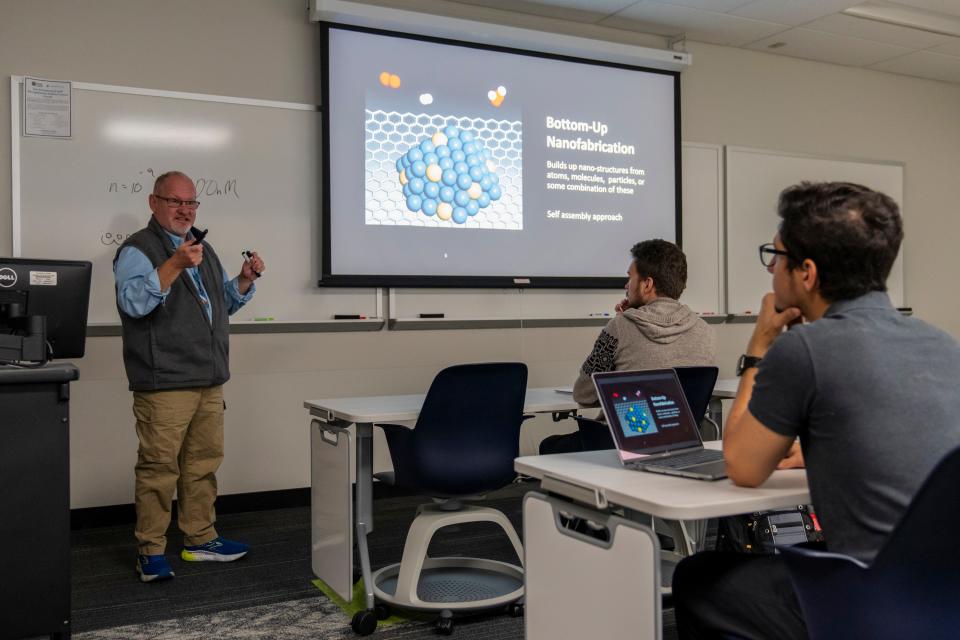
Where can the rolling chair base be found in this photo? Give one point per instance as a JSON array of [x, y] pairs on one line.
[[422, 583], [454, 584]]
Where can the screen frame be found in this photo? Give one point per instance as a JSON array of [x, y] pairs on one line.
[[330, 279]]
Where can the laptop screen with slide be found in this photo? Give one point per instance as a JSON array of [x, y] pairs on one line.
[[647, 411]]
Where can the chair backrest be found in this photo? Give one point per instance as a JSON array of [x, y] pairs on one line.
[[698, 383], [468, 431], [913, 584]]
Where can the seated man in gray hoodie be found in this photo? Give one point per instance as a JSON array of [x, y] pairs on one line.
[[652, 329]]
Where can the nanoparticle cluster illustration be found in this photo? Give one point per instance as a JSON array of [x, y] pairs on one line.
[[450, 175]]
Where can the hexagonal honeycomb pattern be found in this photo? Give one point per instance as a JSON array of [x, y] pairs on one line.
[[390, 134]]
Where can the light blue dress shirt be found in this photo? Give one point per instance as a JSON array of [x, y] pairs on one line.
[[138, 284]]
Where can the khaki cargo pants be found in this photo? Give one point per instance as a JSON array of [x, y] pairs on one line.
[[181, 447]]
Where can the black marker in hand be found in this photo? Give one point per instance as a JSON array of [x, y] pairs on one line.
[[246, 258], [198, 234]]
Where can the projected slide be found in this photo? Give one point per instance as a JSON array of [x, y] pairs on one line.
[[449, 160]]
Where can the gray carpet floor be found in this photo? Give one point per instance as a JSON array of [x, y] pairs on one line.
[[268, 594]]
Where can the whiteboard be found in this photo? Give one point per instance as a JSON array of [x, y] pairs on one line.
[[755, 178], [256, 165], [702, 241]]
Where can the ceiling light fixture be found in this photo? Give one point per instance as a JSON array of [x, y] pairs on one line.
[[907, 17]]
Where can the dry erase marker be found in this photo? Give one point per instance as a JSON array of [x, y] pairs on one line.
[[349, 316], [264, 319], [247, 254]]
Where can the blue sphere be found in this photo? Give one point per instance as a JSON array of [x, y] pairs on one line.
[[494, 192], [466, 136], [459, 215], [447, 194], [406, 191], [473, 160], [426, 146], [458, 155], [446, 163], [451, 131], [431, 189], [454, 144], [461, 198], [430, 158], [469, 148], [416, 185], [405, 161], [460, 167], [464, 181], [494, 178], [476, 173], [443, 151], [486, 182], [418, 168], [414, 154], [400, 166], [449, 177], [472, 208], [429, 206], [414, 202], [483, 201]]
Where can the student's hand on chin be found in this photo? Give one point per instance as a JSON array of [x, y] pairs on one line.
[[770, 324]]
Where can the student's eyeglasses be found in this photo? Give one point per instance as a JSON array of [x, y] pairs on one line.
[[769, 253], [177, 202]]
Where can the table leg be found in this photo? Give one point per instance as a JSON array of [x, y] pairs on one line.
[[364, 508]]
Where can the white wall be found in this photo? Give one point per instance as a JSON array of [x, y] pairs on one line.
[[267, 49]]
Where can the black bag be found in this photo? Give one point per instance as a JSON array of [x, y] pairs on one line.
[[762, 532]]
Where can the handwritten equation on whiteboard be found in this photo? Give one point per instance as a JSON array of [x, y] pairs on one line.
[[207, 187]]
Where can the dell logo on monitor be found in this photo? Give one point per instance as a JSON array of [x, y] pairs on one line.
[[8, 277]]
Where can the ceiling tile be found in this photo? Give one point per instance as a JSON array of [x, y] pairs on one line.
[[572, 10], [924, 64], [792, 12], [950, 48], [950, 7], [826, 47], [717, 6], [702, 26], [842, 25]]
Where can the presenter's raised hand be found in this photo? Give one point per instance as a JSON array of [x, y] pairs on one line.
[[253, 267], [188, 254]]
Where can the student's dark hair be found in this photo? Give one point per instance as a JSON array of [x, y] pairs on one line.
[[665, 263], [851, 233]]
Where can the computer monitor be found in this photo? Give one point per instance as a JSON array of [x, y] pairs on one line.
[[58, 290]]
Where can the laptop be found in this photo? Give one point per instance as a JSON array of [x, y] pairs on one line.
[[652, 425]]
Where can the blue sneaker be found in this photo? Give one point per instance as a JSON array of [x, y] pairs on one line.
[[152, 568], [217, 550]]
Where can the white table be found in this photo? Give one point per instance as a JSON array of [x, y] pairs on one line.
[[597, 480], [334, 521]]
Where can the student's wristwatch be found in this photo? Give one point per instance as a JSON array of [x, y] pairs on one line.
[[746, 362]]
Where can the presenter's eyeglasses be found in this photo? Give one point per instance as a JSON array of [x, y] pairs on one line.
[[177, 202], [769, 253]]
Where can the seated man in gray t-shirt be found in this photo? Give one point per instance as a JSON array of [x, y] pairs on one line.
[[867, 391]]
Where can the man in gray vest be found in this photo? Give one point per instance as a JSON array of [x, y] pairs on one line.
[[174, 299]]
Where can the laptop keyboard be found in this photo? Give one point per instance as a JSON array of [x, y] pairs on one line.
[[683, 460]]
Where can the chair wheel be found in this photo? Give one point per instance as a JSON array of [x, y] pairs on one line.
[[382, 611], [445, 626], [364, 622], [516, 609]]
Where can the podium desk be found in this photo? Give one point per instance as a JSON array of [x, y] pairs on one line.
[[596, 480], [35, 500], [333, 446]]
